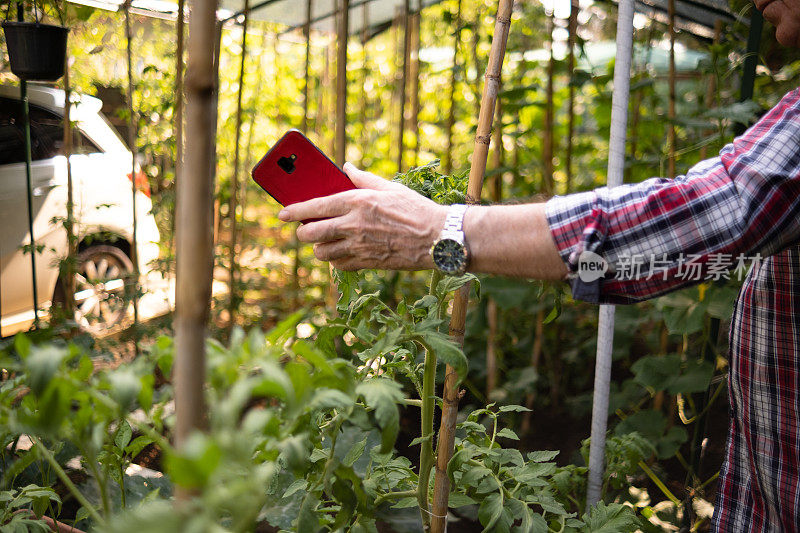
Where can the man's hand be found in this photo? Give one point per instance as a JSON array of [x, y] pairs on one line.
[[381, 224]]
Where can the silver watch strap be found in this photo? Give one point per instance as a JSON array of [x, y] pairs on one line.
[[455, 218]]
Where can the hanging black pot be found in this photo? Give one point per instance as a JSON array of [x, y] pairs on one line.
[[37, 52]]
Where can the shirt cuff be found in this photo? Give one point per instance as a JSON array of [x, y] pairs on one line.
[[578, 224]]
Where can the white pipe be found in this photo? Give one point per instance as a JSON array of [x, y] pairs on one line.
[[605, 327]]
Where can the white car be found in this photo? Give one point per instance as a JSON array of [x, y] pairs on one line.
[[103, 198]]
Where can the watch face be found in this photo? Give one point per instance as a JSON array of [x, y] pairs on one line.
[[450, 256]]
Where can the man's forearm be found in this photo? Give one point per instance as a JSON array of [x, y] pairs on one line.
[[512, 240]]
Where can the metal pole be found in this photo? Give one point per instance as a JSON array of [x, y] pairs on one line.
[[605, 327], [26, 120]]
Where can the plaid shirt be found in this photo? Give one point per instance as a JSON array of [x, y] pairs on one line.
[[741, 204]]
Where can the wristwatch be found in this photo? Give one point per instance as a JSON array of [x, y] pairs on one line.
[[449, 252]]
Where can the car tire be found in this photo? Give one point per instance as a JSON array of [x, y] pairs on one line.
[[103, 287]]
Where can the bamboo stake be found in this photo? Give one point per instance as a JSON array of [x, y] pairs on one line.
[[712, 86], [548, 186], [671, 128], [194, 234], [536, 357], [233, 201], [480, 153], [637, 102], [414, 78], [179, 53], [134, 185], [306, 71], [307, 35], [447, 166], [496, 192], [605, 327], [572, 28], [69, 224], [248, 163], [323, 113], [401, 125], [341, 83], [364, 77]]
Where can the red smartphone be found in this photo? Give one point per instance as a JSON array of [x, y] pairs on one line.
[[295, 170]]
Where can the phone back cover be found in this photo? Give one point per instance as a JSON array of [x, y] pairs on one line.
[[314, 176]]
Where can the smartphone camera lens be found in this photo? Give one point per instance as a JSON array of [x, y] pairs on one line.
[[287, 163]]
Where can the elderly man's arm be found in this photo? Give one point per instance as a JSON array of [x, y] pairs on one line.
[[744, 202], [386, 225]]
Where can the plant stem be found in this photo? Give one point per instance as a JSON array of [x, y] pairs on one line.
[[48, 456], [394, 496], [659, 483], [428, 407], [410, 401]]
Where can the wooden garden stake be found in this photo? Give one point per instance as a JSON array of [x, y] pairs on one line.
[[572, 28], [307, 35], [605, 326], [548, 186], [248, 162], [69, 224], [401, 125], [234, 199], [496, 192], [134, 185], [712, 86], [194, 232], [414, 79], [671, 128], [306, 77], [364, 77], [447, 165], [178, 127], [450, 396], [341, 83]]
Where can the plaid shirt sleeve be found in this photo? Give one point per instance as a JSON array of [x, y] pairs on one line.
[[742, 203]]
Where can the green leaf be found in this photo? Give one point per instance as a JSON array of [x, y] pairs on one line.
[[447, 351], [307, 519], [457, 500], [43, 363], [122, 437], [542, 456], [507, 434], [490, 510], [419, 440], [657, 371], [125, 387], [330, 399], [611, 518], [297, 485], [405, 503], [285, 326], [449, 284], [382, 396], [354, 453], [513, 409], [456, 461], [696, 378], [139, 443]]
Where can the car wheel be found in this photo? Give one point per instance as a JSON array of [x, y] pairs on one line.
[[102, 287]]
